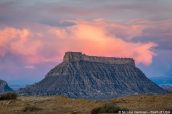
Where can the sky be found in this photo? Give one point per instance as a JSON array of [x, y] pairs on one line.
[[35, 34]]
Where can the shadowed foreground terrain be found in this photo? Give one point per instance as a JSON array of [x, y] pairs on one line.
[[62, 105]]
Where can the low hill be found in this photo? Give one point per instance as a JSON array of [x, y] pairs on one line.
[[4, 87], [167, 87]]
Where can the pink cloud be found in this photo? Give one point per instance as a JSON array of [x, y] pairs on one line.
[[94, 37]]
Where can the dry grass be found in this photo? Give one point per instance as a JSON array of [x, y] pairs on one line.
[[145, 102], [62, 105]]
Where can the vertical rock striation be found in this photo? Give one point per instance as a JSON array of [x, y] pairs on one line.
[[83, 76]]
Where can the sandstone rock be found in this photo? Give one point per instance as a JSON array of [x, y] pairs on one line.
[[78, 56]]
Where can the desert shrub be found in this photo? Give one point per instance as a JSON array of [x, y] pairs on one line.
[[107, 108], [31, 109], [8, 96], [169, 110], [75, 112]]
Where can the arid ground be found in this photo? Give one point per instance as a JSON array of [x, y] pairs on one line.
[[62, 105]]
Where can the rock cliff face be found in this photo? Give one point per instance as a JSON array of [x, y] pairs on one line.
[[78, 56], [82, 76], [4, 87]]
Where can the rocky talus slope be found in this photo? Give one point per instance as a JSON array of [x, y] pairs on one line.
[[82, 76]]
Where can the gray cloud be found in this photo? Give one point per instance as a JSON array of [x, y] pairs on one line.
[[44, 11], [160, 33]]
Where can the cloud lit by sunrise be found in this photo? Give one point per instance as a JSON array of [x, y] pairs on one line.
[[94, 37]]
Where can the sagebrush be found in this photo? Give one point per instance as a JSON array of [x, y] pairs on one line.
[[8, 96]]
